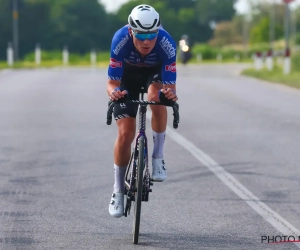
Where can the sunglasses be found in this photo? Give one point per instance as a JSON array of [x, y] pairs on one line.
[[144, 36]]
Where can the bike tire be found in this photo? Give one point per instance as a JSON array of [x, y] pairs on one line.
[[139, 191]]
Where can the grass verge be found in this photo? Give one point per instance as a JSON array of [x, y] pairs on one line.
[[49, 64], [275, 76]]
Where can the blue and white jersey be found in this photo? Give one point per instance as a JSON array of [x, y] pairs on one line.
[[124, 51]]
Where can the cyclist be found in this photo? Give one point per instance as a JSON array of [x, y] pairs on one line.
[[143, 58]]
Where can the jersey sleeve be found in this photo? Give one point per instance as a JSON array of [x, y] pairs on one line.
[[118, 48], [168, 71]]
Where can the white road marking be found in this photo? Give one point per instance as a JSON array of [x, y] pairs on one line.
[[261, 208]]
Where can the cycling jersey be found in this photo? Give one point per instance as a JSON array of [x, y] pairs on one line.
[[123, 51]]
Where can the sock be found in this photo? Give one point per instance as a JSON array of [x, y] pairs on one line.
[[158, 147], [119, 185]]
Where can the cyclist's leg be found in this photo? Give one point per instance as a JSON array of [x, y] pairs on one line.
[[124, 114], [159, 124], [159, 112], [122, 149]]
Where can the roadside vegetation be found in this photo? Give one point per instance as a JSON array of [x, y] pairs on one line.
[[277, 75]]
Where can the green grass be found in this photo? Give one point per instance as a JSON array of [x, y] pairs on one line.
[[215, 61], [49, 64], [54, 59], [276, 76], [102, 62]]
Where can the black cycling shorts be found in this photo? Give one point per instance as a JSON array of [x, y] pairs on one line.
[[135, 80]]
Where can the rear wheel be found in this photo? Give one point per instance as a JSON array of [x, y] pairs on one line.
[[139, 191]]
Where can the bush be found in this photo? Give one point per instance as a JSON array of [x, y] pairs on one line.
[[298, 39], [207, 52], [54, 55], [100, 57]]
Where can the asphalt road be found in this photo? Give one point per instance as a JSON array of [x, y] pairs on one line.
[[233, 164]]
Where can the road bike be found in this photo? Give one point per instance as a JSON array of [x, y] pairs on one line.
[[137, 176]]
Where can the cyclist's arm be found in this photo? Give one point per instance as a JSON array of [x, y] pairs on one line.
[[169, 76], [116, 64], [170, 86], [112, 85]]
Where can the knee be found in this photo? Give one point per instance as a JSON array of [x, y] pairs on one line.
[[153, 96], [126, 136], [158, 109]]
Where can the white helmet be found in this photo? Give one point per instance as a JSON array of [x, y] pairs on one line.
[[144, 18]]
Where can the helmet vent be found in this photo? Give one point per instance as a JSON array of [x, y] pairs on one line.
[[158, 24], [145, 7], [132, 24], [146, 28]]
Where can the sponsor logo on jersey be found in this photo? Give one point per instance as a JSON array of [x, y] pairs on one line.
[[171, 67], [167, 47], [149, 62], [134, 63], [121, 45], [114, 63]]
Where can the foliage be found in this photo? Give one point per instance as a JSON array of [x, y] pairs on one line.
[[56, 55], [296, 62], [206, 51], [260, 33], [84, 25], [225, 33], [276, 76], [298, 39]]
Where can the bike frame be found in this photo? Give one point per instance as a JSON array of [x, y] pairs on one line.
[[139, 186], [141, 133]]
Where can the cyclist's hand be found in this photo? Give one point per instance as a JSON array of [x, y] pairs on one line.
[[117, 94], [170, 94]]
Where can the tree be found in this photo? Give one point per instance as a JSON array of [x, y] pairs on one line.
[[33, 32], [186, 17], [260, 32], [5, 26], [225, 33], [81, 25], [214, 10]]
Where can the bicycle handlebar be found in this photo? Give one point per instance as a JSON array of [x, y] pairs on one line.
[[175, 107]]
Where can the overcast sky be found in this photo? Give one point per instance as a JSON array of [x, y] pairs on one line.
[[241, 6]]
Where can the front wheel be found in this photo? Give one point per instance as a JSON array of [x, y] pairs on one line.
[[139, 190]]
